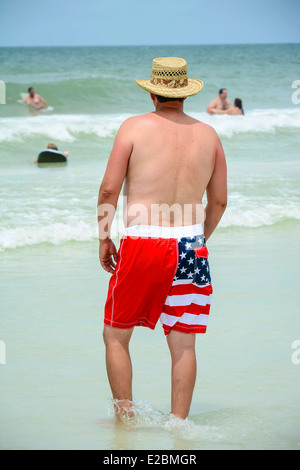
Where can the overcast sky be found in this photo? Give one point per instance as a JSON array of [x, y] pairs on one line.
[[140, 22]]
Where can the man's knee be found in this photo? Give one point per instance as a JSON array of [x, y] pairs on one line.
[[116, 336]]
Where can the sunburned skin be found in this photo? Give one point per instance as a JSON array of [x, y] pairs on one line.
[[170, 165], [166, 160]]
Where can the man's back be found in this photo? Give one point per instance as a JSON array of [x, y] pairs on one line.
[[171, 162]]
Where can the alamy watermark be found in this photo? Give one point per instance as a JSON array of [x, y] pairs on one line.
[[296, 354], [147, 214], [296, 94], [2, 352], [2, 93]]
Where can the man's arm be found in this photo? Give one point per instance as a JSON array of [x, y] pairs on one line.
[[43, 101], [109, 193], [212, 105], [216, 192], [222, 111]]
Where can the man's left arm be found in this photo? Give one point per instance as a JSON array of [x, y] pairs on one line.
[[43, 101], [109, 193]]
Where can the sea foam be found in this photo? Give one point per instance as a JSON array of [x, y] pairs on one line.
[[69, 127]]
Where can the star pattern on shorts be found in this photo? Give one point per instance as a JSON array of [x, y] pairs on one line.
[[191, 268]]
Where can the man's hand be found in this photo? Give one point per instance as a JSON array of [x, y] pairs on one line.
[[108, 255]]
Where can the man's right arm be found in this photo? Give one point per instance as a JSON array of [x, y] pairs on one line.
[[211, 106], [216, 192], [109, 191]]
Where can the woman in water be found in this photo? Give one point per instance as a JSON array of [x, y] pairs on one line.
[[237, 109]]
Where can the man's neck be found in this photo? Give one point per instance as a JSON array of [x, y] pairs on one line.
[[170, 106]]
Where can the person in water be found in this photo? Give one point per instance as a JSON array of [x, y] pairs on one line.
[[167, 160], [221, 103], [54, 147], [35, 100], [237, 109]]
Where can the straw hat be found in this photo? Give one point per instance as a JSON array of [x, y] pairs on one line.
[[169, 78]]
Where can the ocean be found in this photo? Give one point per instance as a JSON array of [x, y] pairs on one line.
[[54, 390]]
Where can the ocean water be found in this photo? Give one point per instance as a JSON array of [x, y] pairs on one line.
[[54, 391]]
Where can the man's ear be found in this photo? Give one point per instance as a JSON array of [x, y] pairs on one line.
[[152, 97]]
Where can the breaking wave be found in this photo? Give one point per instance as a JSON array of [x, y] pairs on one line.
[[71, 127]]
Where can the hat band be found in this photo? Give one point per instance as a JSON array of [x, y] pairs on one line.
[[169, 83]]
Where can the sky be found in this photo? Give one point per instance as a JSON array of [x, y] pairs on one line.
[[151, 22]]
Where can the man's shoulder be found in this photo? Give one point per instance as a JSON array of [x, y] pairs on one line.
[[139, 120], [214, 101], [132, 120], [205, 127]]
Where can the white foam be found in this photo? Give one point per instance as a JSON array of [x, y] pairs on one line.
[[254, 215], [142, 414], [65, 128], [56, 234], [69, 127], [257, 121], [64, 227]]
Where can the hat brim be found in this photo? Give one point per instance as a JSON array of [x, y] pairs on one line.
[[193, 87]]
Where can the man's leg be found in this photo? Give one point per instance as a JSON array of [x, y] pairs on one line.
[[118, 365], [182, 349]]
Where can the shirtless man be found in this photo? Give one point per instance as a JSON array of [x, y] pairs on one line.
[[237, 109], [167, 161], [35, 100], [221, 103]]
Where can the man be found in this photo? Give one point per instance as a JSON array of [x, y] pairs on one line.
[[34, 100], [167, 160], [221, 103]]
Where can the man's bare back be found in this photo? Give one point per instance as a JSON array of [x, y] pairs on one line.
[[171, 163]]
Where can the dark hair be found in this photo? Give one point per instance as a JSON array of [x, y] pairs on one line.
[[221, 90], [164, 99], [29, 89], [239, 104]]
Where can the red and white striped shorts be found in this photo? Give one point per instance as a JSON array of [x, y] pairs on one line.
[[161, 272]]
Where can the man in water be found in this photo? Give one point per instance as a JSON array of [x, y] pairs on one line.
[[221, 103], [237, 109], [167, 160], [34, 100]]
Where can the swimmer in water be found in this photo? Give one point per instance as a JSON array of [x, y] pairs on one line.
[[221, 103], [237, 109], [35, 100], [54, 147]]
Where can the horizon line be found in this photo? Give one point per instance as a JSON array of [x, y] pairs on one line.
[[156, 45]]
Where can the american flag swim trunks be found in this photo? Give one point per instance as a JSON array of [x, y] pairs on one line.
[[161, 273]]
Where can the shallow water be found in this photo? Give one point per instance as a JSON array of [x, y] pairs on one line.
[[54, 391]]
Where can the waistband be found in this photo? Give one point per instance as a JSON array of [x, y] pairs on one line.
[[164, 232]]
